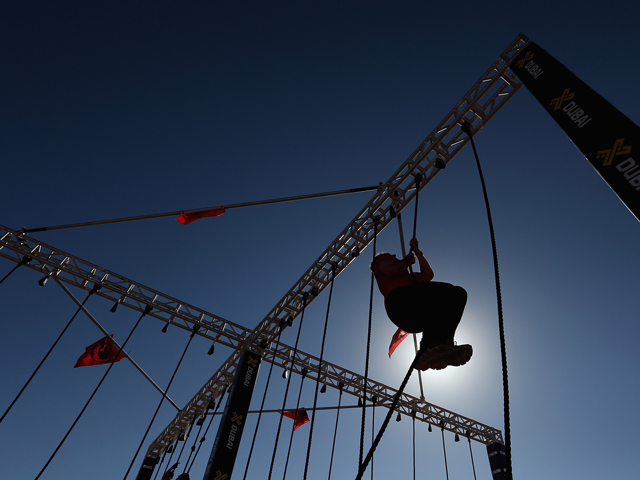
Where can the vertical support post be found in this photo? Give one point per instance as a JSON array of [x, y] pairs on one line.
[[497, 460], [225, 448]]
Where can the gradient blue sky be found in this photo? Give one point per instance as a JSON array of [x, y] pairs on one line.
[[112, 109]]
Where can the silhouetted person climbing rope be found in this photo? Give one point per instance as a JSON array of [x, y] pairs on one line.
[[416, 304]]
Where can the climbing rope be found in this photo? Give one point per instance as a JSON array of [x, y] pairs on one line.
[[473, 465], [95, 288], [264, 396], [305, 297], [335, 431], [196, 327], [444, 449], [293, 425], [466, 127], [146, 311], [184, 439], [204, 436], [376, 223], [22, 262], [334, 268], [413, 424], [387, 418], [200, 424], [374, 400]]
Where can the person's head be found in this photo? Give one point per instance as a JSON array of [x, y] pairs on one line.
[[381, 257]]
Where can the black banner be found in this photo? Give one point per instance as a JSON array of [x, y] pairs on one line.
[[603, 134], [225, 447]]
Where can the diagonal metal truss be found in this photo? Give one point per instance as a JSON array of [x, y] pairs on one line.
[[67, 269], [477, 107]]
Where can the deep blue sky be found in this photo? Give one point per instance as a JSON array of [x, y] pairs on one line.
[[112, 109]]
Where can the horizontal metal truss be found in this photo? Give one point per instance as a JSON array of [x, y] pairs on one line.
[[335, 377], [83, 275], [477, 107]]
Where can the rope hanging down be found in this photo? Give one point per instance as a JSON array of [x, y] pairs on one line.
[[147, 310], [204, 436], [22, 262], [93, 290], [335, 431], [387, 418], [334, 268], [376, 222], [305, 297], [293, 425], [196, 327], [264, 397], [466, 127]]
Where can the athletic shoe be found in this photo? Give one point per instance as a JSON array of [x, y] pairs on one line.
[[435, 357], [443, 356], [460, 354]]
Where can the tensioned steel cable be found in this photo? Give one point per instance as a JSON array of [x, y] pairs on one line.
[[147, 310], [466, 127], [93, 290], [196, 327]]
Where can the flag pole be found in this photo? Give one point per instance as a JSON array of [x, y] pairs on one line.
[[93, 319], [181, 212]]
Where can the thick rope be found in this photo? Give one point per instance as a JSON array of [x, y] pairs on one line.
[[184, 442], [204, 436], [392, 408], [146, 311], [264, 397], [293, 425], [374, 399], [196, 327], [305, 297], [444, 449], [93, 290], [503, 349], [22, 262], [413, 424], [376, 222], [335, 431], [334, 268], [195, 442], [473, 465]]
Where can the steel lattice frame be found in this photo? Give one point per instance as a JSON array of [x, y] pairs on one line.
[[477, 107]]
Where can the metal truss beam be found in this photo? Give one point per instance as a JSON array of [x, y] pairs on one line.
[[67, 269], [477, 107]]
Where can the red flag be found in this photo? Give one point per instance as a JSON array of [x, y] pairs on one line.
[[397, 339], [299, 416], [103, 351], [188, 217]]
